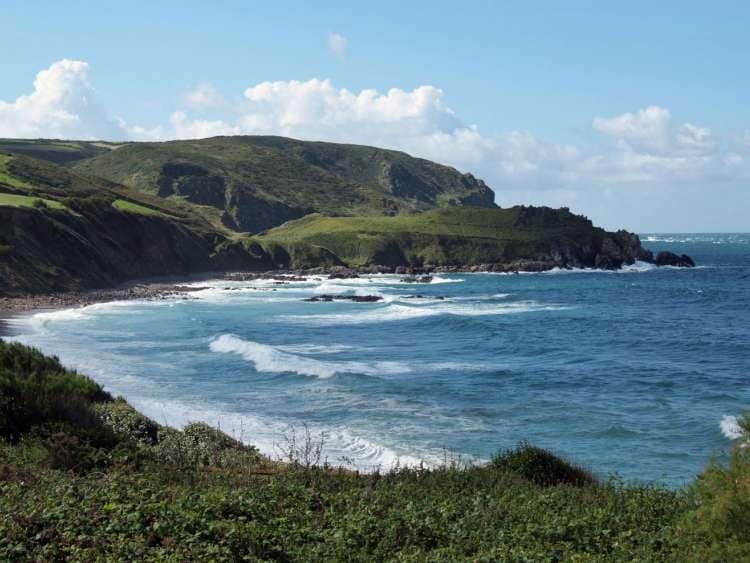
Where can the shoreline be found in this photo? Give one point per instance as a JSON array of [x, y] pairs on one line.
[[167, 287]]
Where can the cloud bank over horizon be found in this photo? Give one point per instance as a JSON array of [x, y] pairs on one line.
[[646, 149]]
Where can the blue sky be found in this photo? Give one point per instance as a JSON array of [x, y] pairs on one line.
[[636, 114]]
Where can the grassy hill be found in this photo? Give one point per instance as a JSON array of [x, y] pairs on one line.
[[464, 237], [91, 214], [85, 477], [255, 183]]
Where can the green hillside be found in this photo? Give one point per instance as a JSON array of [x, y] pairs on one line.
[[465, 237], [180, 206], [255, 183]]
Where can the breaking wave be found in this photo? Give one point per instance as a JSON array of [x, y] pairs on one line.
[[730, 427], [398, 312]]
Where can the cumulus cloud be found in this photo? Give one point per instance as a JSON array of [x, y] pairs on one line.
[[645, 147], [644, 129], [61, 105], [337, 44]]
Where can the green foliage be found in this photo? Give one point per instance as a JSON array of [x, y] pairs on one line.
[[720, 524], [35, 389], [542, 467], [126, 422], [199, 445]]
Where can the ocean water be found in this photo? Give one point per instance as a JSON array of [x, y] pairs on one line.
[[640, 372]]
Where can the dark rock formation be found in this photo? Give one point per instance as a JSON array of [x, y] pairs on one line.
[[353, 298], [666, 258], [417, 279]]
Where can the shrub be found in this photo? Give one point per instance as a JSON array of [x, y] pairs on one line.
[[721, 522], [127, 422], [200, 445], [542, 467], [39, 204], [35, 389]]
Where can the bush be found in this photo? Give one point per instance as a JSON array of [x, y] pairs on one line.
[[542, 467], [35, 389], [721, 522], [127, 422], [200, 445], [39, 204]]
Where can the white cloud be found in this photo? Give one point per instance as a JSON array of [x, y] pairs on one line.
[[647, 128], [337, 45], [647, 148], [185, 128], [61, 105]]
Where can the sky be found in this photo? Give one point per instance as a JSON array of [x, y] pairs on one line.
[[636, 114]]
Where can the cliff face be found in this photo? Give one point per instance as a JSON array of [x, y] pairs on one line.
[[48, 250]]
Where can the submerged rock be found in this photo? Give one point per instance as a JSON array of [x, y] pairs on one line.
[[354, 298], [666, 258]]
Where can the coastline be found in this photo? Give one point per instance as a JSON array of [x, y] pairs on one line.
[[168, 287], [17, 306]]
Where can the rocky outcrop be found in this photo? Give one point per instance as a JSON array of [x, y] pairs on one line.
[[352, 298], [666, 258]]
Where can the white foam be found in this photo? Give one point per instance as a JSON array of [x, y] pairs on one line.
[[341, 446], [730, 427], [398, 312], [438, 279], [272, 359]]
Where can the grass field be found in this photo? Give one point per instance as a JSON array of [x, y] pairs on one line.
[[6, 178], [14, 200], [131, 207]]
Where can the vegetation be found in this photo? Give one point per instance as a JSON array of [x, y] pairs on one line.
[[254, 183], [98, 481], [147, 209], [456, 236], [28, 201], [131, 207]]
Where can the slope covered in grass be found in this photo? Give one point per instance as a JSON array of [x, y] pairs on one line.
[[464, 237], [89, 478], [260, 182]]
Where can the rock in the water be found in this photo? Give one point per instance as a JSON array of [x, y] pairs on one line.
[[417, 279], [666, 258], [353, 298]]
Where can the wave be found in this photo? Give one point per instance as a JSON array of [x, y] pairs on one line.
[[730, 427], [341, 446], [399, 312], [272, 359]]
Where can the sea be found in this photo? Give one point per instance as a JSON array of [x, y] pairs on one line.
[[638, 374]]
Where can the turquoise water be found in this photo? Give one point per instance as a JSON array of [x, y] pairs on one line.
[[638, 372]]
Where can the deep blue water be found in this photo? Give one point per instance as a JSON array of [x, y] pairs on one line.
[[637, 372]]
